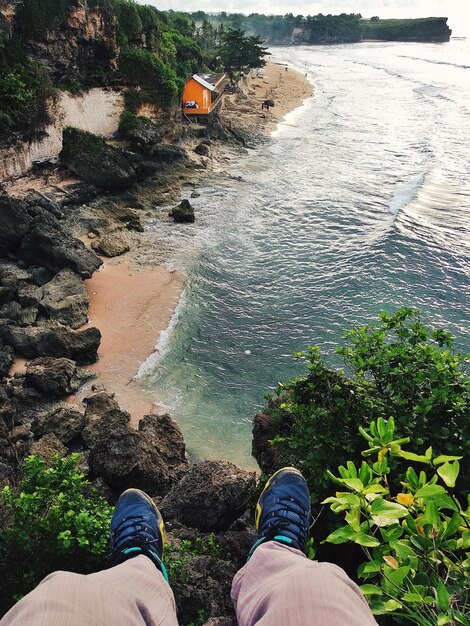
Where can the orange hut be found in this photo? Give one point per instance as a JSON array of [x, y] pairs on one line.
[[202, 93]]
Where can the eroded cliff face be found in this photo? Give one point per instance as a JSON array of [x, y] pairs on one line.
[[83, 44]]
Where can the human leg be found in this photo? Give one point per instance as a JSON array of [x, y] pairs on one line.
[[279, 585], [134, 592]]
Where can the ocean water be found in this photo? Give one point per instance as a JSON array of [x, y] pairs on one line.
[[359, 202]]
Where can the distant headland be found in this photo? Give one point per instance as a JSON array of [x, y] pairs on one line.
[[292, 29]]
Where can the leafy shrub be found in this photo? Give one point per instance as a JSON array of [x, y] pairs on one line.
[[157, 80], [56, 521], [71, 86], [398, 368], [416, 540], [128, 122], [24, 89]]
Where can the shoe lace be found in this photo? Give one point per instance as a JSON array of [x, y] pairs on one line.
[[138, 523], [288, 513]]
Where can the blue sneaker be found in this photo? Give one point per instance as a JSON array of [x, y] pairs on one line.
[[283, 510], [137, 528]]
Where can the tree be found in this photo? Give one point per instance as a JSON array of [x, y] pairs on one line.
[[238, 51]]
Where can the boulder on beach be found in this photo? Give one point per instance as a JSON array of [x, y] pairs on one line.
[[202, 149], [65, 300], [184, 212], [49, 244], [46, 340], [55, 377], [14, 223], [211, 496], [111, 245], [91, 158]]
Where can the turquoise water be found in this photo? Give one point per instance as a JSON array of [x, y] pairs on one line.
[[359, 202]]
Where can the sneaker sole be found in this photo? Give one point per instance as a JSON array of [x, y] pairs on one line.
[[259, 509]]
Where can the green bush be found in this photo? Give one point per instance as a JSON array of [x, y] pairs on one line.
[[157, 80], [398, 368], [24, 89], [416, 538], [55, 521], [128, 122]]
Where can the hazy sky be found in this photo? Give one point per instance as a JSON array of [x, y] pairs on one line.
[[458, 11]]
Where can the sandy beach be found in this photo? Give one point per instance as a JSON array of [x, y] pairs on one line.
[[288, 88], [130, 308]]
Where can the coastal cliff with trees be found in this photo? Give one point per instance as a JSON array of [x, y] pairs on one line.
[[290, 29]]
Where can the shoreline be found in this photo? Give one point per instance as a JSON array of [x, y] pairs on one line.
[[133, 297]]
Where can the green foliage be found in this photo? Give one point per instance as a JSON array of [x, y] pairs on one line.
[[55, 522], [398, 368], [416, 540], [157, 80], [238, 51], [36, 17], [24, 89], [71, 86], [129, 121], [177, 555]]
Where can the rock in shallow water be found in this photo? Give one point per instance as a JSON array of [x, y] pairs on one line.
[[184, 212]]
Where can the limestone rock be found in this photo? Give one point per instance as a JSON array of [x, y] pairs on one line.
[[111, 245], [29, 295], [264, 452], [14, 223], [184, 212], [6, 359], [103, 416], [34, 341], [95, 161], [48, 447], [202, 149], [65, 300], [65, 423], [49, 244], [211, 496], [204, 583], [152, 458], [55, 377], [14, 313]]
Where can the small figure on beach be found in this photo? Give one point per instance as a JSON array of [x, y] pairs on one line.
[[267, 104]]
